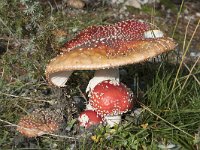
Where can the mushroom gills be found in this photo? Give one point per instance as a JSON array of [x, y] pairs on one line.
[[60, 78]]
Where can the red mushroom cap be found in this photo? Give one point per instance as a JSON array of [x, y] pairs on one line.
[[39, 122], [112, 35], [111, 98], [89, 118]]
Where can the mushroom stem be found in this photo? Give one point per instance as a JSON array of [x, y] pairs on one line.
[[101, 75], [113, 120], [89, 107]]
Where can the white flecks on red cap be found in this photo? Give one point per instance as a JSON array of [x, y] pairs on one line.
[[111, 35]]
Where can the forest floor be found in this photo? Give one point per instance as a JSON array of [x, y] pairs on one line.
[[167, 87]]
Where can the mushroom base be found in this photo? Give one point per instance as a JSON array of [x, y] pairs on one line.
[[113, 120]]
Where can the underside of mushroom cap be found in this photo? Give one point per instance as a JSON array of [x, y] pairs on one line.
[[102, 56]]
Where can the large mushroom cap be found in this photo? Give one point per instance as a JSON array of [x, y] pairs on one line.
[[103, 50]]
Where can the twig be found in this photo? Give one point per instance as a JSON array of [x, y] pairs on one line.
[[62, 136], [9, 30], [26, 98], [189, 75], [11, 124], [82, 94], [192, 74], [186, 66], [177, 19], [184, 54]]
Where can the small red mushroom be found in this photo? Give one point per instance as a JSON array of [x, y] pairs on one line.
[[89, 118], [111, 99], [39, 122]]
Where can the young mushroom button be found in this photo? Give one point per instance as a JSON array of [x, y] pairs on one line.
[[105, 48], [111, 99], [89, 118]]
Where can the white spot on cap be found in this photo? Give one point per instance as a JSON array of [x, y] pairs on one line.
[[153, 34]]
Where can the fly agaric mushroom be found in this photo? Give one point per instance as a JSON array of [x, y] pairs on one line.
[[39, 122], [105, 48], [111, 99], [89, 118]]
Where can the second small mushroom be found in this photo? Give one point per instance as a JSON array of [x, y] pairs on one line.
[[89, 118]]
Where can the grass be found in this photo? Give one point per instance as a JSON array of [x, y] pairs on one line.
[[162, 121], [168, 91]]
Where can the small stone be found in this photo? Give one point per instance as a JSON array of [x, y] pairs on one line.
[[78, 4], [198, 14]]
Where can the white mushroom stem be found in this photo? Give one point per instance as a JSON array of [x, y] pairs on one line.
[[89, 107], [113, 120], [101, 75]]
